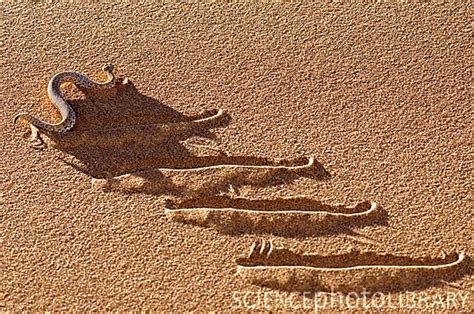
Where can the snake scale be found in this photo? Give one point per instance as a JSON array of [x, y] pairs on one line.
[[67, 113]]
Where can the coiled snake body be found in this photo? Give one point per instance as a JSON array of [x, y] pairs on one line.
[[67, 113]]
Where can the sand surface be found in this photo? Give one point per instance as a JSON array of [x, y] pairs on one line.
[[379, 95]]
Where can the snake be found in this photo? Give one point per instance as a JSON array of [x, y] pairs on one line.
[[67, 113]]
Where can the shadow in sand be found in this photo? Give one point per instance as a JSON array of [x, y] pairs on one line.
[[282, 269], [131, 142], [290, 217]]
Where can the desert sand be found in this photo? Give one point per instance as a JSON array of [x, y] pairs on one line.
[[378, 95]]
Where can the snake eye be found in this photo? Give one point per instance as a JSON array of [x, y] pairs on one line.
[[108, 68]]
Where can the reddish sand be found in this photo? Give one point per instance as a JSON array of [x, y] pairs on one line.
[[378, 94]]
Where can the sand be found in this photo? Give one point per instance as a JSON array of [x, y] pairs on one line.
[[378, 95]]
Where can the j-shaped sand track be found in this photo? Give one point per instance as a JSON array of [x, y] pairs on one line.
[[336, 211], [230, 166], [356, 271], [147, 180], [278, 216], [123, 135]]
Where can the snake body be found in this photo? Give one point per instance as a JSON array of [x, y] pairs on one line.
[[67, 113]]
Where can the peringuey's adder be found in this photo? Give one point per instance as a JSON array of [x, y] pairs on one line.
[[67, 113]]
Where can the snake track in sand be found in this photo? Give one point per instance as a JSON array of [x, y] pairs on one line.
[[67, 113]]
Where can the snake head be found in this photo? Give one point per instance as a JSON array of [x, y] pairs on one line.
[[108, 68]]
